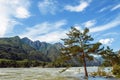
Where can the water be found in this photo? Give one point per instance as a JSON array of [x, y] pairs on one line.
[[48, 74]]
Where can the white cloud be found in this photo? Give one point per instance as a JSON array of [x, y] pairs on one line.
[[106, 41], [111, 34], [78, 27], [115, 7], [21, 12], [89, 23], [79, 8], [113, 23], [17, 8], [53, 37], [49, 32], [8, 10], [105, 8], [48, 6], [110, 7]]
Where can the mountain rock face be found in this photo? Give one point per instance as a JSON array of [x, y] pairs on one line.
[[52, 51], [95, 62], [13, 48]]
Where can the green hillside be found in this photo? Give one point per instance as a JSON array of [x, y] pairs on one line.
[[13, 48]]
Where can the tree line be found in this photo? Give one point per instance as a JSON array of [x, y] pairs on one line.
[[21, 63]]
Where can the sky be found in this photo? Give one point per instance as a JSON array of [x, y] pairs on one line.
[[50, 20]]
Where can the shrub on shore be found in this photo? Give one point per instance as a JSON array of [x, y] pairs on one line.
[[116, 71], [100, 72]]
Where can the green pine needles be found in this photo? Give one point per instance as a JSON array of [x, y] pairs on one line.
[[79, 44]]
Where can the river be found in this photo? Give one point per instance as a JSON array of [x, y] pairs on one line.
[[37, 73]]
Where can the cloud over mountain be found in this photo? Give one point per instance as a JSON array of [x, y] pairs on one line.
[[49, 32]]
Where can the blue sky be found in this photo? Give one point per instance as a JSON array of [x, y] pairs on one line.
[[49, 20]]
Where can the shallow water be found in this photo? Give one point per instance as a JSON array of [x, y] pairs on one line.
[[74, 73]]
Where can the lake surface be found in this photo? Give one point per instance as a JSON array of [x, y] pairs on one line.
[[74, 73]]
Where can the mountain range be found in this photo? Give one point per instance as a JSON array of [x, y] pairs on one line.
[[16, 48], [51, 51]]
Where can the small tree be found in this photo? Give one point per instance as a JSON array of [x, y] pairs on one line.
[[110, 57], [79, 44]]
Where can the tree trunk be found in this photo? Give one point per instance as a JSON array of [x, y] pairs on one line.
[[84, 63]]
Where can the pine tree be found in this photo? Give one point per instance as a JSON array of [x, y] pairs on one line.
[[78, 43], [110, 56]]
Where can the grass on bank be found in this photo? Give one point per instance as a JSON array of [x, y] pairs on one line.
[[101, 72]]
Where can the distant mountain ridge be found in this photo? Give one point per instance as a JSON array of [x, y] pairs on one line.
[[13, 48], [19, 49], [51, 51]]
